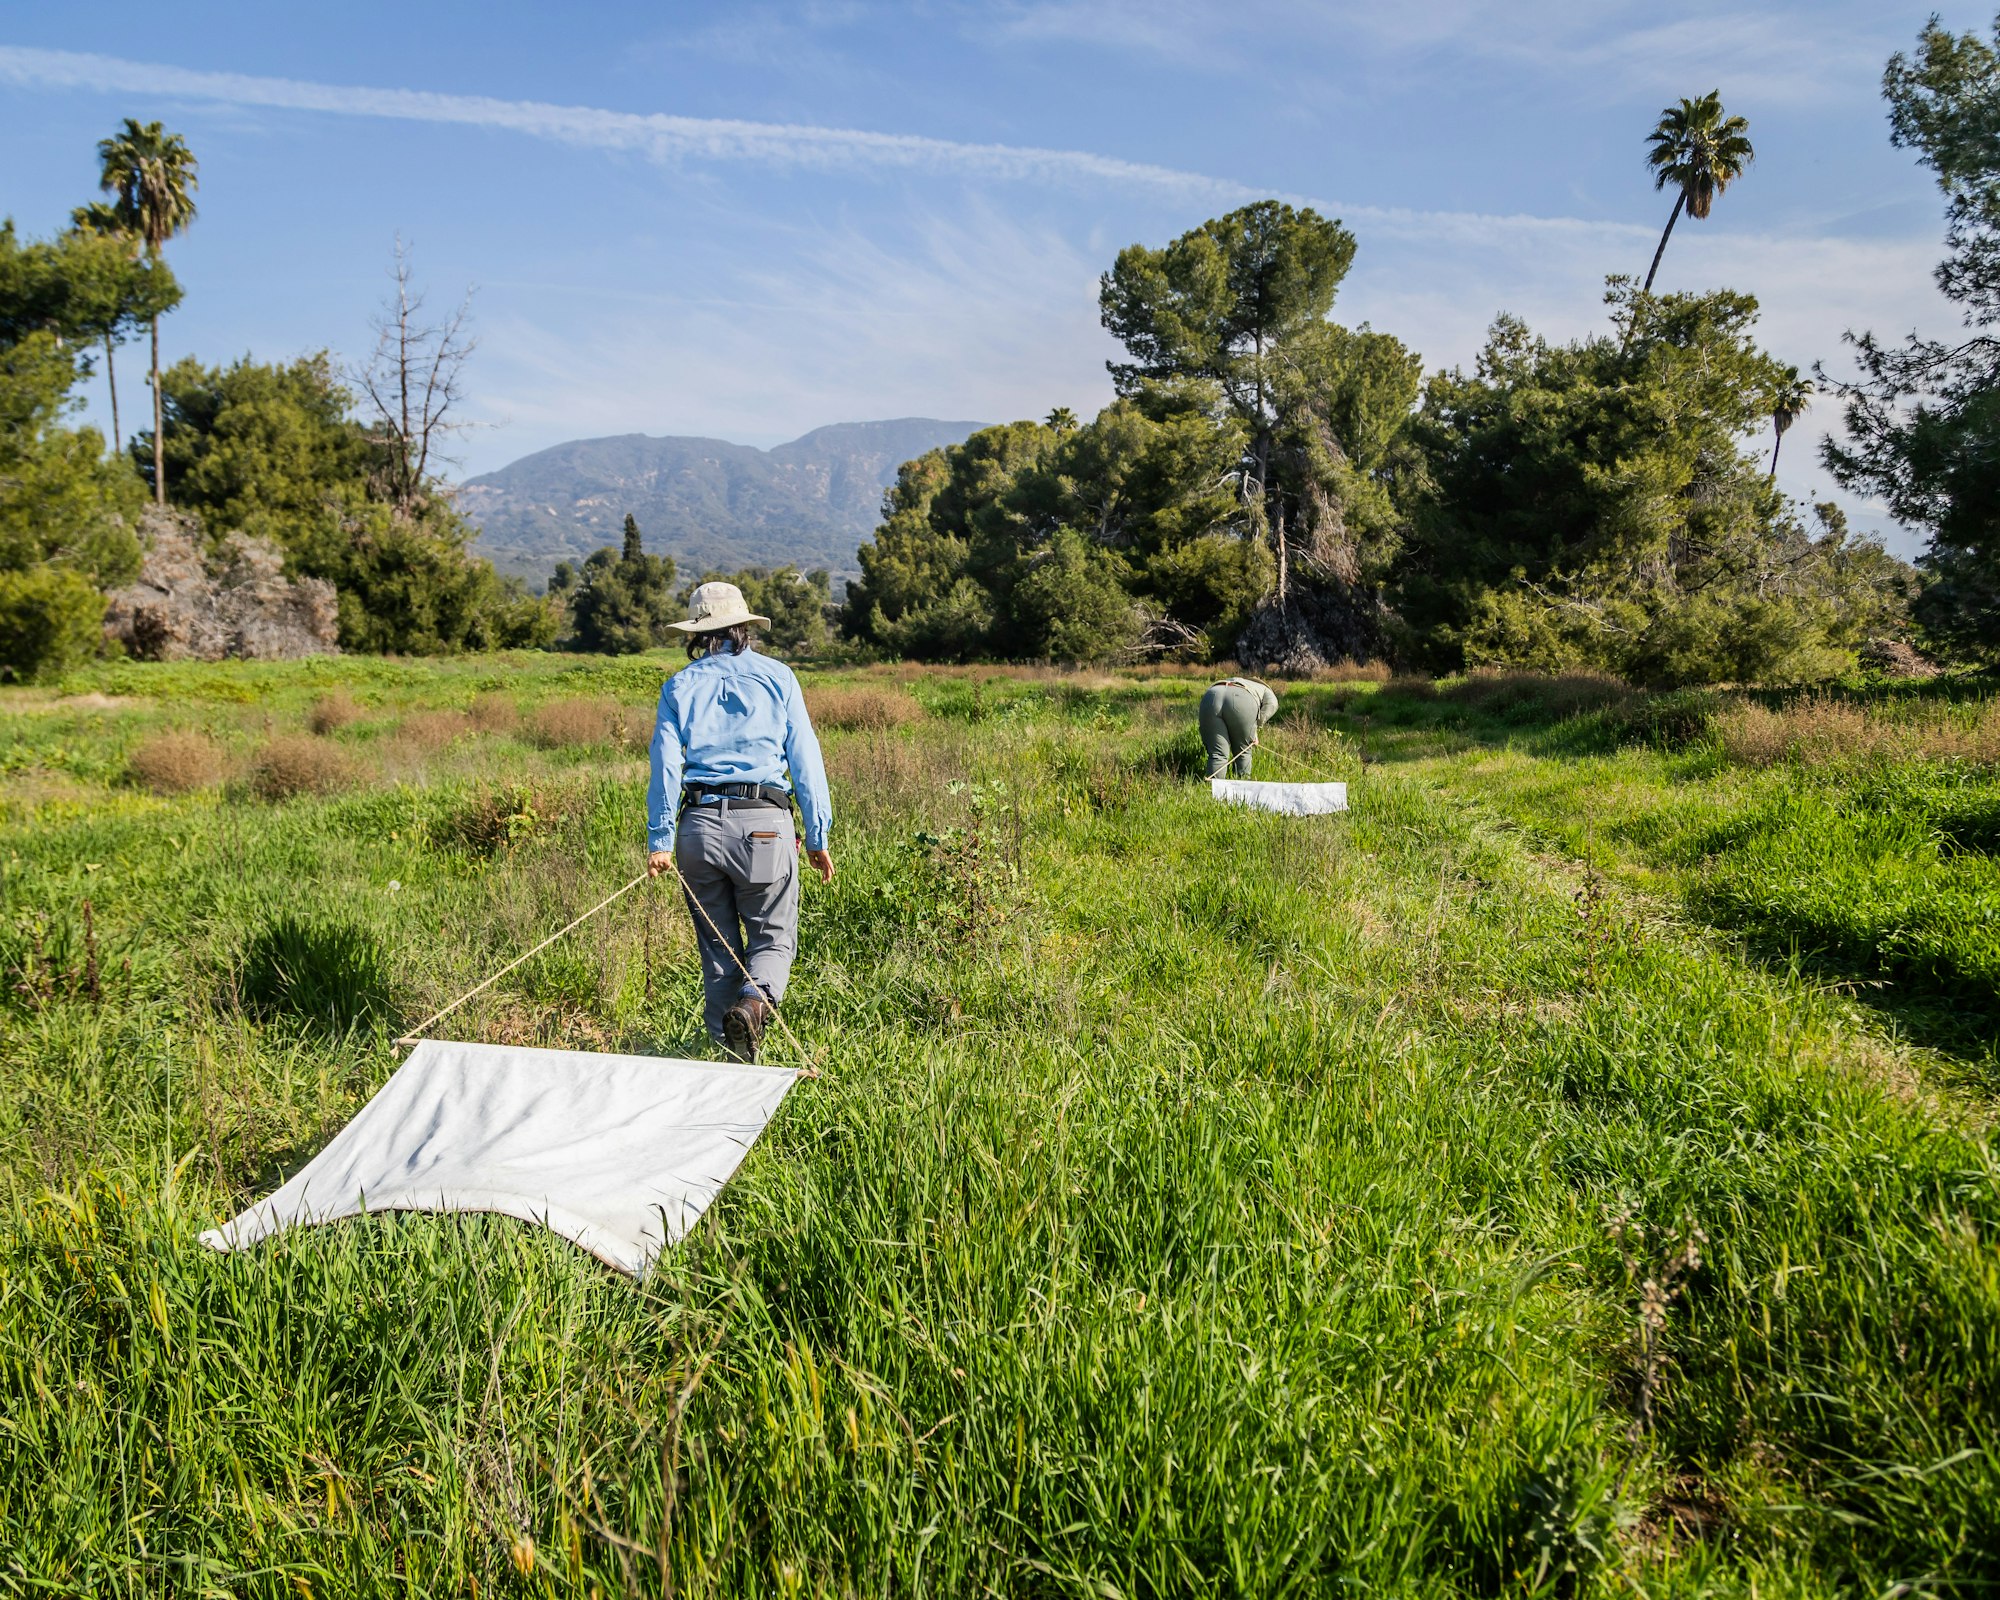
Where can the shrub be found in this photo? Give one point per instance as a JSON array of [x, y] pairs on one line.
[[51, 619], [174, 763], [1407, 687], [494, 713], [290, 765], [511, 815], [862, 706], [563, 724], [433, 730], [332, 711]]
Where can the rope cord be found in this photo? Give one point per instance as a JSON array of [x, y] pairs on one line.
[[1314, 772], [413, 1036], [811, 1068]]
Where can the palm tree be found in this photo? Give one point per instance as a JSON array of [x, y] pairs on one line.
[[97, 217], [1060, 420], [1700, 152], [151, 175], [1787, 406]]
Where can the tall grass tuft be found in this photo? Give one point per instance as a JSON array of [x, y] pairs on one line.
[[843, 707], [1818, 729], [289, 765], [333, 711], [328, 974], [175, 763]]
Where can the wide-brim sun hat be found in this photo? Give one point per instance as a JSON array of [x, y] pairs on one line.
[[715, 606]]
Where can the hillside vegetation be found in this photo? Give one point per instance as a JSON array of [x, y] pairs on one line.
[[1570, 1172]]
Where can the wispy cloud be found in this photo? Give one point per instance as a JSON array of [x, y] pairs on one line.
[[666, 138], [658, 136], [1609, 49]]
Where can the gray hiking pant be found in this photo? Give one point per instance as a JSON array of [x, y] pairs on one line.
[[1229, 726], [740, 868]]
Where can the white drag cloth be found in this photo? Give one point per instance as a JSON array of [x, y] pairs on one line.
[[1293, 799], [618, 1154]]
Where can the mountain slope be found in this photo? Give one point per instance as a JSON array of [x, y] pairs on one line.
[[705, 502]]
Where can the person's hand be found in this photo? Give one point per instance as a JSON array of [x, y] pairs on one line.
[[822, 863], [660, 861]]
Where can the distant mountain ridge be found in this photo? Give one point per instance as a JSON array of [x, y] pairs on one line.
[[705, 502]]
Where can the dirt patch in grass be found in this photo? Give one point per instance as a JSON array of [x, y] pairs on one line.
[[291, 765], [333, 711], [175, 763], [861, 706]]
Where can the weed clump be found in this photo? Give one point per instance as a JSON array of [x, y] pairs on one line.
[[332, 712], [433, 730], [175, 763], [1354, 672], [509, 816], [581, 724], [1820, 729], [494, 713], [332, 975], [289, 765], [862, 706]]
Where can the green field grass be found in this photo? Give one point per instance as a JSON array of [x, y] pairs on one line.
[[1569, 1172]]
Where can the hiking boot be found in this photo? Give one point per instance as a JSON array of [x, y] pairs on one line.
[[743, 1027]]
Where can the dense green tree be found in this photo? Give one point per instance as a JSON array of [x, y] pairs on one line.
[[141, 288], [625, 600], [1923, 418], [1228, 302], [151, 175], [1591, 504], [51, 619], [1071, 604], [61, 501], [268, 450], [1698, 150]]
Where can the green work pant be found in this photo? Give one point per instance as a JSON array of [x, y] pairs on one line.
[[1229, 729]]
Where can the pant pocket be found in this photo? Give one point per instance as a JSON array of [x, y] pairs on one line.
[[765, 849]]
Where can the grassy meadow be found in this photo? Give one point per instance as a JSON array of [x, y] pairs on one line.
[[1570, 1172]]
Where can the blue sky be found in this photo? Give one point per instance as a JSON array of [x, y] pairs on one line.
[[747, 220]]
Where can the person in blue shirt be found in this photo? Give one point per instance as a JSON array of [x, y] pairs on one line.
[[732, 724]]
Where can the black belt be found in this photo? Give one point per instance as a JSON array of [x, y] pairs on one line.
[[738, 796]]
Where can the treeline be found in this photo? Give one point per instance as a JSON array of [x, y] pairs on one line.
[[271, 487], [1268, 485], [1272, 486]]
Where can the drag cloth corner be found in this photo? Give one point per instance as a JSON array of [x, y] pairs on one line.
[[620, 1155]]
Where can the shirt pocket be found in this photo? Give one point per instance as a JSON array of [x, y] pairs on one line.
[[766, 852]]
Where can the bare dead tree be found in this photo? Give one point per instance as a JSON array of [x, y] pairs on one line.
[[415, 383]]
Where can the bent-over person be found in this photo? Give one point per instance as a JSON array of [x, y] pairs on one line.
[[732, 726], [1231, 713]]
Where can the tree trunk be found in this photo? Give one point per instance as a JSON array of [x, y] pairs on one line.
[[1284, 565], [159, 426], [1673, 216], [1777, 444], [111, 376]]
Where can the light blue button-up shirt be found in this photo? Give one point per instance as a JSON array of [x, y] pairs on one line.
[[735, 719]]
